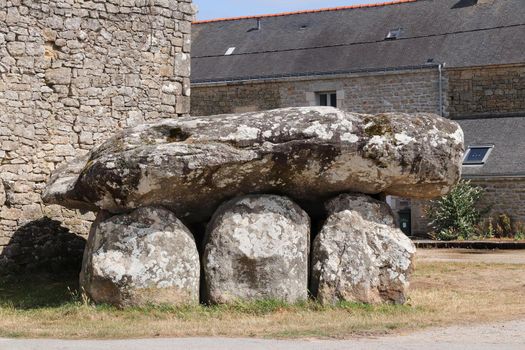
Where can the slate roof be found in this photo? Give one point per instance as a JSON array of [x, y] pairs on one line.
[[352, 39], [508, 137]]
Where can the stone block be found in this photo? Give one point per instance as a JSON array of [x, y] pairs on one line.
[[59, 76]]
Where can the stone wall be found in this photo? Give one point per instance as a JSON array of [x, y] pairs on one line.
[[505, 195], [420, 221], [72, 72], [486, 90], [401, 91]]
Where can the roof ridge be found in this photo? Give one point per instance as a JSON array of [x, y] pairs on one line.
[[340, 8]]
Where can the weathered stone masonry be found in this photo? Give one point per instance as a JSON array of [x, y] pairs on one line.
[[71, 73], [487, 91], [503, 196], [401, 91]]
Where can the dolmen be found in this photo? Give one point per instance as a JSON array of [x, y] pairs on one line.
[[291, 202]]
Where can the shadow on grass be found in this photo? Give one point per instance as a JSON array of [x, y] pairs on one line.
[[40, 265], [38, 291], [42, 246]]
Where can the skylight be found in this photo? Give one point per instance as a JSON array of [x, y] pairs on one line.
[[394, 34], [477, 155], [229, 51]]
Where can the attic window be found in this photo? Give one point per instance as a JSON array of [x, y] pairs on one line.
[[229, 51], [393, 34], [477, 155]]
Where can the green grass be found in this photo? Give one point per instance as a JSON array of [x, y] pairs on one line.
[[33, 294]]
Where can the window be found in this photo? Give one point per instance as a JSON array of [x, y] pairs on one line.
[[229, 51], [394, 34], [477, 155], [326, 98]]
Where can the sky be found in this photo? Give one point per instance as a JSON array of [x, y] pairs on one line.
[[210, 9]]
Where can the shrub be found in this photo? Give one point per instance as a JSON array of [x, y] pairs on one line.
[[501, 226], [520, 231], [455, 215], [506, 225]]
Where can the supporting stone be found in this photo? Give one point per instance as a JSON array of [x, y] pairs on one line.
[[257, 248], [147, 256], [359, 255]]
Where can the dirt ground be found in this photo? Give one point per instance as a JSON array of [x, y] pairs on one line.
[[508, 336], [471, 256]]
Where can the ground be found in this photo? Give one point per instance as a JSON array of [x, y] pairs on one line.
[[508, 336], [448, 288]]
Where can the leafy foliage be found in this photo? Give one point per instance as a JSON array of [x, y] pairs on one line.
[[502, 226], [455, 215]]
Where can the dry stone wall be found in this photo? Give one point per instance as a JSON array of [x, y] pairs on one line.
[[71, 73]]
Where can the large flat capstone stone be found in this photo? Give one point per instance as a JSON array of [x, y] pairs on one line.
[[192, 164]]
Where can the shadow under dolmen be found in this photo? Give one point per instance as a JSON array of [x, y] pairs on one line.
[[42, 246]]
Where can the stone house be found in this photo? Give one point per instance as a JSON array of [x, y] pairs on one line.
[[462, 59]]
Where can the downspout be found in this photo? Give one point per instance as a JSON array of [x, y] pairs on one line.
[[441, 107]]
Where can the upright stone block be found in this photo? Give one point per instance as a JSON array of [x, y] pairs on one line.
[[145, 257], [257, 248], [359, 255]]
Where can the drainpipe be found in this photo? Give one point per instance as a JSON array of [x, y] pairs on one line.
[[441, 107]]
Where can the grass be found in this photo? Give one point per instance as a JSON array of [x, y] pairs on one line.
[[443, 293]]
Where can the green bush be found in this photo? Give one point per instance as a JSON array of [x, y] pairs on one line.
[[455, 215]]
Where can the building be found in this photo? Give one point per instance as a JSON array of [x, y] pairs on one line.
[[71, 74], [462, 59]]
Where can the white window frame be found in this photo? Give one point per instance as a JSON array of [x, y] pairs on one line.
[[328, 97], [483, 161]]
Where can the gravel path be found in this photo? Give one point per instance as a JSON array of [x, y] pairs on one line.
[[508, 335]]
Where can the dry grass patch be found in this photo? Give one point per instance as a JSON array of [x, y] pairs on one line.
[[442, 294]]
